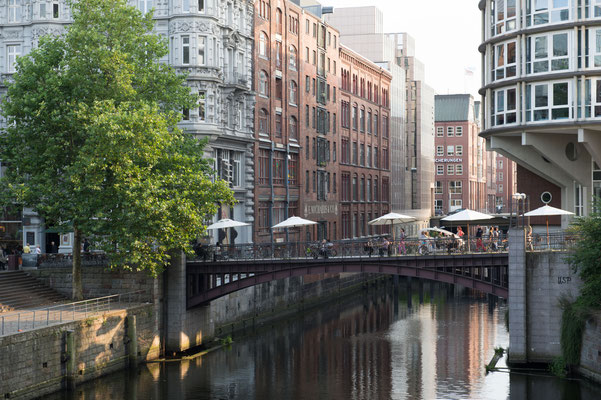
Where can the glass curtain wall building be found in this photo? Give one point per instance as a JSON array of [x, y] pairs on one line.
[[541, 63]]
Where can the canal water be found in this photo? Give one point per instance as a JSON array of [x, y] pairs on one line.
[[423, 341]]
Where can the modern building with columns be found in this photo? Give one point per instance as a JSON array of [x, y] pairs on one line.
[[541, 63], [211, 41]]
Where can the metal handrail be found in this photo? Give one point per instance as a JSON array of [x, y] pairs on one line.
[[555, 241], [351, 248], [16, 322]]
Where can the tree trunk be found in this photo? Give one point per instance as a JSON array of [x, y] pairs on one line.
[[77, 287]]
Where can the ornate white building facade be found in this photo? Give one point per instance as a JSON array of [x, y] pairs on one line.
[[542, 91], [211, 41]]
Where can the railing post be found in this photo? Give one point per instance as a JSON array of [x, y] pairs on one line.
[[18, 322], [33, 322], [3, 325], [47, 316]]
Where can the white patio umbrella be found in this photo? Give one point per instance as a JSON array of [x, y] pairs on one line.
[[391, 219], [546, 211], [293, 222], [226, 223], [467, 216]]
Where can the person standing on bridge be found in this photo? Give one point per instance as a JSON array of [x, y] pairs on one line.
[[479, 233], [402, 236]]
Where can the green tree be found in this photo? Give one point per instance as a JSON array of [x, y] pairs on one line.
[[92, 141]]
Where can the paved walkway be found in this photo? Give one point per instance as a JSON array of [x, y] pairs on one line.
[[27, 320]]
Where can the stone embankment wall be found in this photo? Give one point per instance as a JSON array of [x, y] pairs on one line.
[[590, 357], [45, 360], [98, 281], [549, 278], [190, 328]]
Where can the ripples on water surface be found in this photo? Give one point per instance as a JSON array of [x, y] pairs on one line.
[[430, 344]]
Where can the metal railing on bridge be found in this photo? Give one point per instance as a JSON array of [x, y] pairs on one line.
[[351, 248], [555, 241]]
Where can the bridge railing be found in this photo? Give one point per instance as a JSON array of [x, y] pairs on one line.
[[355, 248], [555, 241]]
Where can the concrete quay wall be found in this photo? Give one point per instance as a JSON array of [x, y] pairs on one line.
[[590, 357], [45, 360]]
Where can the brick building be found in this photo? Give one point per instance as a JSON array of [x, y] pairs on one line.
[[364, 143], [460, 159], [296, 57]]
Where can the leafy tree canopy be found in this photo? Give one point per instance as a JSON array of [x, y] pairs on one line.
[[91, 138]]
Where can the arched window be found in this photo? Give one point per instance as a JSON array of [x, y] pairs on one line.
[[263, 45], [293, 57], [293, 128], [293, 92], [278, 21], [263, 83], [263, 121]]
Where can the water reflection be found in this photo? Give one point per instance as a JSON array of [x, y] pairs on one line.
[[423, 341]]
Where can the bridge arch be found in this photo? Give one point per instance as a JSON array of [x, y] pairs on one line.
[[484, 272]]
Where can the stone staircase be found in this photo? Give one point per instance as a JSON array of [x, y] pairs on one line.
[[19, 291]]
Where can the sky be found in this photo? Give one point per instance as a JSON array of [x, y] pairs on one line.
[[447, 35]]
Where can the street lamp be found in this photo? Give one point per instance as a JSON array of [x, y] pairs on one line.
[[517, 197]]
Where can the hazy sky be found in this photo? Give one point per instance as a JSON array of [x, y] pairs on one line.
[[447, 34]]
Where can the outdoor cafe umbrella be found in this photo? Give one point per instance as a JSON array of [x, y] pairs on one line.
[[546, 211], [467, 216], [293, 222], [226, 223], [391, 219]]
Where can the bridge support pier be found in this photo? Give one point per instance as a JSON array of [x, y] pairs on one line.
[[518, 299]]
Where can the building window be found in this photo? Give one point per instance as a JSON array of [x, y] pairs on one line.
[[500, 176], [376, 124], [278, 21], [354, 117], [278, 55], [450, 169], [369, 119], [12, 52], [456, 204], [546, 53], [355, 188], [438, 187], [355, 153], [263, 122], [264, 9], [458, 131], [293, 57], [293, 93], [376, 190], [459, 150], [504, 17], [362, 119], [500, 188], [450, 131], [505, 60], [458, 169], [456, 187], [439, 151], [278, 88], [263, 45], [440, 131], [440, 170], [202, 43], [438, 206], [450, 150], [385, 126], [263, 167], [14, 11], [548, 101], [278, 125], [278, 167], [202, 106], [185, 50], [293, 128], [541, 12], [504, 107], [263, 83]]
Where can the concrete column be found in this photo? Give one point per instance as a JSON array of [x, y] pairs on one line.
[[176, 304], [132, 345], [518, 311]]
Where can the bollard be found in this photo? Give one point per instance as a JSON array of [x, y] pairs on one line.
[[132, 341], [69, 360]]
